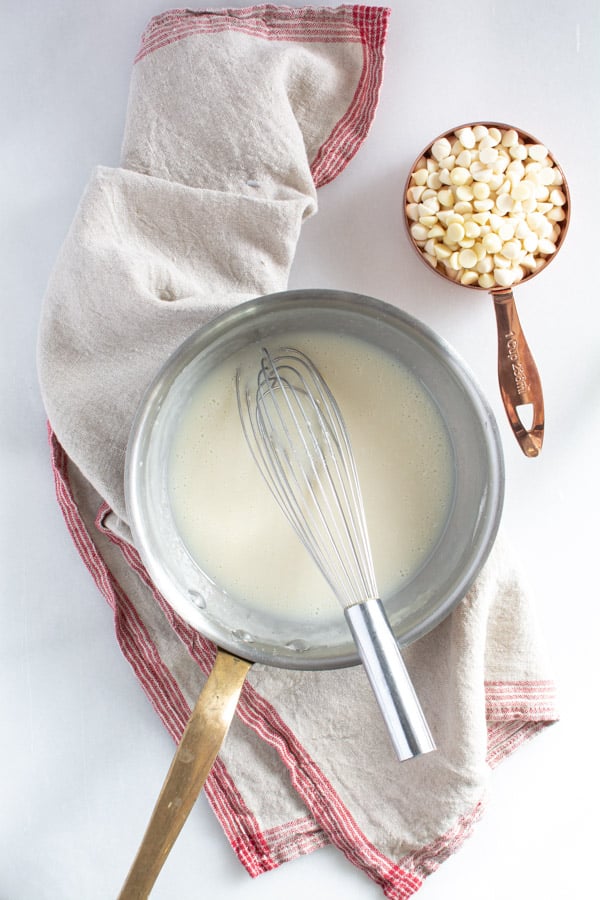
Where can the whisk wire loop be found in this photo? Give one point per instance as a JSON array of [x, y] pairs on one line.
[[268, 468], [300, 442], [320, 477]]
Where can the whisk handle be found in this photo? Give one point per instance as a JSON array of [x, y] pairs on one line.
[[389, 679]]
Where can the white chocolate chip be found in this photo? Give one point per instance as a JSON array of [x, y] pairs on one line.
[[419, 232], [460, 175], [431, 204], [446, 197], [479, 251], [518, 151], [436, 231], [464, 192], [533, 168], [557, 198], [419, 177], [511, 249], [483, 205], [469, 277], [488, 155], [481, 190], [455, 233], [504, 277], [448, 162], [441, 148], [521, 229], [415, 193], [547, 176], [502, 162], [492, 243], [506, 231], [441, 251], [467, 258], [510, 138], [537, 151], [515, 170], [464, 158], [521, 190], [541, 193], [482, 173], [546, 246], [466, 137], [529, 262], [463, 207], [504, 204]]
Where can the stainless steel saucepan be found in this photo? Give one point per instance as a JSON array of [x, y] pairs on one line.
[[245, 635]]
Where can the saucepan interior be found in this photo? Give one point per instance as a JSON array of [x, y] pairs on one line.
[[466, 537]]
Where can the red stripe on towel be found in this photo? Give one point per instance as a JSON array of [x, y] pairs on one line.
[[271, 23], [293, 839], [515, 712], [134, 641], [429, 858], [351, 131]]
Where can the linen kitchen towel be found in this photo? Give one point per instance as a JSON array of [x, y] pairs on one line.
[[236, 118]]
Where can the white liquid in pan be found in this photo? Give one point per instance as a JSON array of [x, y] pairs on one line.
[[234, 529]]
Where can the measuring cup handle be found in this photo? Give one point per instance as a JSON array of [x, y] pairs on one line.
[[519, 379]]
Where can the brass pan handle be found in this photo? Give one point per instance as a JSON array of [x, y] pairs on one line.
[[518, 376], [202, 739]]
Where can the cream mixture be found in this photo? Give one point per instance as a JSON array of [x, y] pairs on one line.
[[234, 529]]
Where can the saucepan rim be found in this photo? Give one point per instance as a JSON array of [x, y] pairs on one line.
[[249, 315]]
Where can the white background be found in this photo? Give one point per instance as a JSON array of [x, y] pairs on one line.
[[82, 754]]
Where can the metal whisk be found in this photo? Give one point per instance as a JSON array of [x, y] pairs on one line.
[[297, 436]]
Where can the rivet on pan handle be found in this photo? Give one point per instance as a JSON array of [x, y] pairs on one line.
[[520, 383], [202, 739]]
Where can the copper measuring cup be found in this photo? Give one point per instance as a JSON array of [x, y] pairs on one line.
[[518, 376]]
